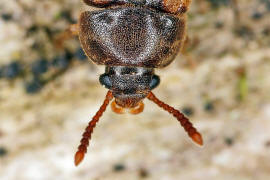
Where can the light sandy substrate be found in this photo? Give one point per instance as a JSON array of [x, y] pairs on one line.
[[42, 132]]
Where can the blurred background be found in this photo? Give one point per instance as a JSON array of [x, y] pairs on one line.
[[222, 83]]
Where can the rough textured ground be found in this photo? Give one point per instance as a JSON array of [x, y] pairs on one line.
[[227, 65]]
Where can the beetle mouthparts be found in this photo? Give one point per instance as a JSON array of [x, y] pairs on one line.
[[133, 110]]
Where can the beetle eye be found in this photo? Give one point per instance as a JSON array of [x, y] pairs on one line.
[[105, 80], [154, 82]]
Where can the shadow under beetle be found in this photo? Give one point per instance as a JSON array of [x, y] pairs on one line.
[[131, 38]]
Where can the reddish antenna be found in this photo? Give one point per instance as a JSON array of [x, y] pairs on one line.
[[185, 123], [82, 149]]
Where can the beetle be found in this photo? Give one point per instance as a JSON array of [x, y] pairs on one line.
[[131, 38]]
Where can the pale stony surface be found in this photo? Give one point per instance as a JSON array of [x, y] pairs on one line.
[[41, 132]]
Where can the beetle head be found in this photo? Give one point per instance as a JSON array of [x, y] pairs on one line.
[[129, 85]]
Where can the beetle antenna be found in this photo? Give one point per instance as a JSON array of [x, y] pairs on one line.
[[185, 123], [82, 149]]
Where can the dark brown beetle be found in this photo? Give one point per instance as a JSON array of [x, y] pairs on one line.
[[131, 38]]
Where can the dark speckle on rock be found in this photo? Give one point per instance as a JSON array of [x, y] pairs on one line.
[[218, 3], [143, 173], [219, 24], [119, 167], [257, 15], [61, 61], [6, 17], [3, 151], [40, 66], [209, 106], [67, 15], [1, 71], [80, 55], [244, 32], [32, 29], [267, 143], [229, 141], [12, 70], [188, 111], [266, 31], [33, 86]]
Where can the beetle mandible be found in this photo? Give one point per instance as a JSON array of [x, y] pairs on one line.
[[131, 38]]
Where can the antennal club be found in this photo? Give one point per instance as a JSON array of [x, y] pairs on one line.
[[82, 149], [185, 123]]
